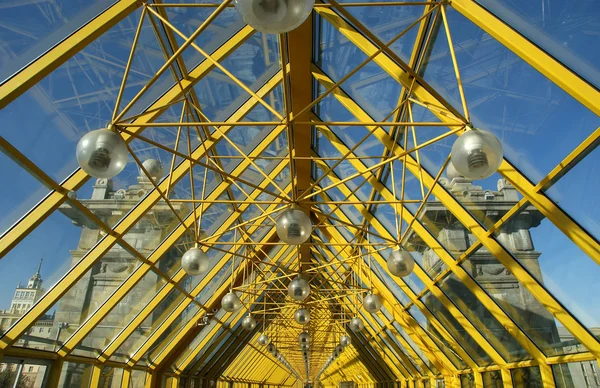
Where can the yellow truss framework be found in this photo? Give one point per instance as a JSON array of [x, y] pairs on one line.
[[190, 341]]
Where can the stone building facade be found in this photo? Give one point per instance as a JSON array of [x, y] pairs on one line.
[[488, 206], [114, 268], [39, 336]]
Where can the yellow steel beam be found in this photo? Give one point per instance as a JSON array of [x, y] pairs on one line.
[[493, 246], [408, 323], [182, 363], [96, 373], [118, 231], [299, 90], [165, 325], [42, 66], [141, 271], [448, 115], [543, 62], [53, 200], [374, 330], [456, 313], [533, 286]]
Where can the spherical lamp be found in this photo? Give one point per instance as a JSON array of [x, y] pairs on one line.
[[299, 289], [476, 154], [274, 16], [231, 302], [400, 263], [302, 316], [339, 349], [263, 340], [303, 340], [195, 262], [154, 168], [345, 340], [372, 303], [102, 153], [294, 226], [451, 172], [356, 324], [271, 348], [248, 323]]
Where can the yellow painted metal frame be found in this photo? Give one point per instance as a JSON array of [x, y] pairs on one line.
[[299, 159]]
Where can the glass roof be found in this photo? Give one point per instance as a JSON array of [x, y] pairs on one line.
[[350, 118]]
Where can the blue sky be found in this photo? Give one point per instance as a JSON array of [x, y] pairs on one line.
[[537, 123]]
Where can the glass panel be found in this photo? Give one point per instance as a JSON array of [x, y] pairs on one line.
[[54, 241], [110, 377], [31, 28], [25, 192], [467, 381], [138, 379], [577, 374], [21, 375], [371, 87], [526, 377], [75, 375], [506, 96], [562, 30], [448, 321], [120, 316], [492, 379], [46, 122], [542, 248], [574, 191], [482, 319]]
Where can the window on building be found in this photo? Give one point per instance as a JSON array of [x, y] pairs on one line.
[[41, 330], [31, 369]]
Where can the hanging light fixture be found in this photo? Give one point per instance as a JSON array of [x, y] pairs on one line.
[[274, 16], [345, 340], [303, 340], [271, 348], [102, 153], [195, 261], [372, 303], [299, 289], [356, 324], [302, 316], [231, 302], [476, 154], [248, 323], [263, 340], [294, 226], [400, 263]]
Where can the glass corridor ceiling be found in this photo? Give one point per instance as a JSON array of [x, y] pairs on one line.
[[504, 286]]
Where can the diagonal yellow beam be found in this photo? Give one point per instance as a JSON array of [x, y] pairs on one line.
[[408, 323], [448, 115], [56, 198], [185, 359], [147, 310], [513, 265], [430, 285], [60, 289], [372, 328], [543, 62], [35, 71], [139, 273], [158, 361]]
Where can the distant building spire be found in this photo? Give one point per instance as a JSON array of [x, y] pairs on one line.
[[36, 280]]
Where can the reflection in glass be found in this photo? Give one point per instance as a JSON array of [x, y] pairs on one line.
[[561, 267], [526, 377], [492, 379], [450, 323]]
